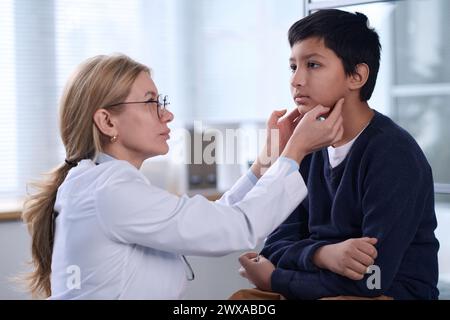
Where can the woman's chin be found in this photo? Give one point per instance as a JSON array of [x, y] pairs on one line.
[[164, 149]]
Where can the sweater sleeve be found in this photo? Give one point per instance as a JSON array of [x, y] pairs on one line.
[[289, 246], [397, 191]]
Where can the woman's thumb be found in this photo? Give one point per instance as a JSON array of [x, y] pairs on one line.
[[318, 111], [277, 114]]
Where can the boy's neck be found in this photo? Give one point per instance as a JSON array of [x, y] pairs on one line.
[[356, 114]]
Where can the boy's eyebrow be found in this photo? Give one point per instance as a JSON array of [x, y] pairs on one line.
[[311, 55], [307, 56]]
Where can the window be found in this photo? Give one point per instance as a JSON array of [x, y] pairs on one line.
[[8, 160], [242, 58], [41, 42]]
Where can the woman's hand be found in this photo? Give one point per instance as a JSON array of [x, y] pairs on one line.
[[257, 269], [311, 134], [278, 132], [349, 258]]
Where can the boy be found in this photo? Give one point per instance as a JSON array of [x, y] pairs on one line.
[[376, 182]]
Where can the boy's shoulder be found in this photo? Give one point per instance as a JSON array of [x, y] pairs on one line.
[[384, 138], [383, 129]]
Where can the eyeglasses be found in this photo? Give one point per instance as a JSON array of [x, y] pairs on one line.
[[161, 104]]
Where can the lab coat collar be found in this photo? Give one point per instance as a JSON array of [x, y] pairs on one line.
[[103, 157]]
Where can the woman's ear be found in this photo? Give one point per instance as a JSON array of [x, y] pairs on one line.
[[359, 78], [104, 122]]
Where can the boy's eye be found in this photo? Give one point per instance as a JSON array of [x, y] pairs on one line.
[[293, 67], [313, 65]]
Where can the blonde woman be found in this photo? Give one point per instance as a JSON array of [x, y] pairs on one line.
[[101, 230]]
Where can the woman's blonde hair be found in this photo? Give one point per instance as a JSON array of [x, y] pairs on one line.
[[96, 83]]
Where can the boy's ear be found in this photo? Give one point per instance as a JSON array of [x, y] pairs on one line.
[[104, 122], [359, 78]]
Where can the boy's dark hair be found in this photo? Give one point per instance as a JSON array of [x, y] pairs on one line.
[[348, 35]]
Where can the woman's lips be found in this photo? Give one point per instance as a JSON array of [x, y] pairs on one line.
[[166, 134]]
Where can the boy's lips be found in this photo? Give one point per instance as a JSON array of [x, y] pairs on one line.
[[301, 99]]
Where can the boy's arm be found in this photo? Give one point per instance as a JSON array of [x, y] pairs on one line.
[[397, 194], [290, 247], [291, 231]]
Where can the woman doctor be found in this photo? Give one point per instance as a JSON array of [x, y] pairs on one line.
[[101, 230]]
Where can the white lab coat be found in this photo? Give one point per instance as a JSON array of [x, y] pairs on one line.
[[119, 237]]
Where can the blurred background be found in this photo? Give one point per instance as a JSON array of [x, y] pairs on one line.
[[224, 65]]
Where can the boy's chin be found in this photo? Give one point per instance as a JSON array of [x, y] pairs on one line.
[[303, 108]]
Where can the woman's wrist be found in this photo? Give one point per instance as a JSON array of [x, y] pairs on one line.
[[295, 155], [258, 168]]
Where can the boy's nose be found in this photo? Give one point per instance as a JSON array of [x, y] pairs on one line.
[[298, 79]]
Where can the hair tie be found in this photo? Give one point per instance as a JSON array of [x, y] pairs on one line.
[[71, 163]]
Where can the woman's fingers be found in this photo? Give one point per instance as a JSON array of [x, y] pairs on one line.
[[336, 112], [337, 132], [293, 115], [317, 111], [274, 117]]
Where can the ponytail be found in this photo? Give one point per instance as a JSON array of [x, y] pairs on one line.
[[38, 214]]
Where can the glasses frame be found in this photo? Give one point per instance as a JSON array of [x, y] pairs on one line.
[[161, 104]]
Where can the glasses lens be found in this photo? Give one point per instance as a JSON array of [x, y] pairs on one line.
[[162, 104]]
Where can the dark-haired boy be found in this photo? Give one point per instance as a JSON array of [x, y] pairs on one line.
[[375, 183]]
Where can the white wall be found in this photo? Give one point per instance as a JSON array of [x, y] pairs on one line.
[[14, 253]]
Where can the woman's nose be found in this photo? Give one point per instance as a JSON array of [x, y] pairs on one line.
[[167, 116]]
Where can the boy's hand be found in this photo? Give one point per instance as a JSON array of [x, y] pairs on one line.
[[257, 269], [349, 258]]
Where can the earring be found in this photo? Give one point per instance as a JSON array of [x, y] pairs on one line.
[[113, 139]]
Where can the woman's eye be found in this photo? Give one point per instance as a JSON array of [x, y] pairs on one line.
[[293, 67], [313, 65]]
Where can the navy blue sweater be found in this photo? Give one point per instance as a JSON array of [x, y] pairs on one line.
[[383, 189]]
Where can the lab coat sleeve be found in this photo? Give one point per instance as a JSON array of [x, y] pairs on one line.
[[132, 211], [248, 181], [238, 191]]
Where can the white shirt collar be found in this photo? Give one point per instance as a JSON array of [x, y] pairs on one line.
[[338, 154]]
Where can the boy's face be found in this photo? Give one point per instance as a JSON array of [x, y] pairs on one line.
[[318, 75]]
